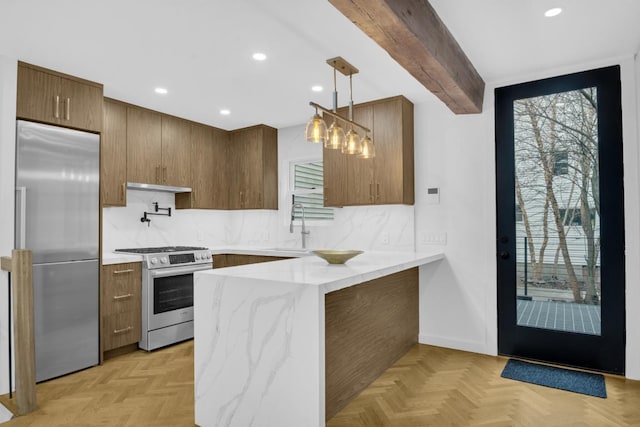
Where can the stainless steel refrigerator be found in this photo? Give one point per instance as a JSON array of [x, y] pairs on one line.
[[57, 215]]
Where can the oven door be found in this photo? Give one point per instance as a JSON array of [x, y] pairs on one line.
[[170, 295]]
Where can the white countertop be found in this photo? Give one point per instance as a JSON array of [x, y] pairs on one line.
[[115, 258], [314, 271], [118, 258]]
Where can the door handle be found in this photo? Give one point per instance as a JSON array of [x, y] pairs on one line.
[[56, 106], [504, 255], [67, 109]]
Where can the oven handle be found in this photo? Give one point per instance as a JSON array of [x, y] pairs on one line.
[[174, 271]]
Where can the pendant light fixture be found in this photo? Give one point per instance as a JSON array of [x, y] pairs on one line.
[[335, 137]]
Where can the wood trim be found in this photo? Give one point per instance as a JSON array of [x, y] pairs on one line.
[[24, 339], [414, 35], [6, 263], [59, 74], [367, 328]]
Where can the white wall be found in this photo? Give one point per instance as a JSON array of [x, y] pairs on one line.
[[456, 153], [8, 76]]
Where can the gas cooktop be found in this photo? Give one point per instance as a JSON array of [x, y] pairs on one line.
[[161, 249]]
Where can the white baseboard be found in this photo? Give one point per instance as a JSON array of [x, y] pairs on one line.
[[471, 346]]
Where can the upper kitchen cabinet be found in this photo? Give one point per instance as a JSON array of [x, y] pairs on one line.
[[157, 148], [55, 98], [209, 188], [113, 154], [176, 155], [385, 179], [253, 167], [144, 146]]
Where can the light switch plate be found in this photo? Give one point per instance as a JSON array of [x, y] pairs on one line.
[[433, 195]]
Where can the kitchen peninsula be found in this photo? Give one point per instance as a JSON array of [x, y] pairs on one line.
[[290, 342]]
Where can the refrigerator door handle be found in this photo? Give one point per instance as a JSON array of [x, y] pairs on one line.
[[21, 201]]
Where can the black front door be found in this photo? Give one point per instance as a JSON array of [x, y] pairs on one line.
[[560, 220]]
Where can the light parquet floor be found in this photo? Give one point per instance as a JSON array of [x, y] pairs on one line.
[[137, 389], [429, 386], [432, 386]]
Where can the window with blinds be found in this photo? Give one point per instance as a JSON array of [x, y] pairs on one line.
[[308, 189]]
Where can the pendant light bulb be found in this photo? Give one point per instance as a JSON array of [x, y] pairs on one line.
[[316, 130], [336, 137], [368, 149], [352, 143]]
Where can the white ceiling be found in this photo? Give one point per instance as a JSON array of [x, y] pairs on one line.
[[200, 50]]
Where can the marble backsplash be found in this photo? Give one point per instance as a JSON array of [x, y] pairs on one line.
[[382, 228]]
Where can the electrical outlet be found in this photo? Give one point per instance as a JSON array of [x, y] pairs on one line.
[[433, 238]]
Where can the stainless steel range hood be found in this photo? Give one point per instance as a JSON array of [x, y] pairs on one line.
[[156, 187]]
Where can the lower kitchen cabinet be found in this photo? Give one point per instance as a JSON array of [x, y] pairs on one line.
[[231, 260], [121, 306]]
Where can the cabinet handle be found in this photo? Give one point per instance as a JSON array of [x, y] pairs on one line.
[[371, 191], [123, 191], [56, 107], [378, 191], [119, 331], [67, 109], [259, 197], [119, 297], [164, 174], [241, 199], [193, 195], [128, 270]]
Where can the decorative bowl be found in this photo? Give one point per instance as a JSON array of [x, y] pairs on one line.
[[335, 256]]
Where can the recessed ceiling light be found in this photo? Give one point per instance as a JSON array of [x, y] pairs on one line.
[[161, 90], [553, 12], [317, 88], [225, 112], [259, 56]]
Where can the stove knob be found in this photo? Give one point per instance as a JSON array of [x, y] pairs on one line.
[[208, 255], [154, 260], [198, 256], [164, 260]]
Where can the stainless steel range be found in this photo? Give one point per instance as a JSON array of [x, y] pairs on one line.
[[167, 292]]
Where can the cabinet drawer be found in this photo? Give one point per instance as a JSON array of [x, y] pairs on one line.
[[121, 329], [121, 288]]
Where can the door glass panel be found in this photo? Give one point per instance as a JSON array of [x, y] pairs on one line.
[[557, 212]]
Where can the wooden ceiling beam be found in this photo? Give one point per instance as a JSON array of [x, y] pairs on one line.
[[413, 34]]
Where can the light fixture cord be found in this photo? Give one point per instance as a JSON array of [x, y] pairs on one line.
[[350, 97], [335, 89]]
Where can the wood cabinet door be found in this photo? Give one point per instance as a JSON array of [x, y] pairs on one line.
[[245, 161], [360, 183], [268, 198], [38, 96], [390, 160], [176, 152], [81, 105], [144, 146], [235, 164], [202, 172], [251, 169], [113, 155], [218, 163]]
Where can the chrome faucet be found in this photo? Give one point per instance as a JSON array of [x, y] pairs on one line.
[[304, 232]]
